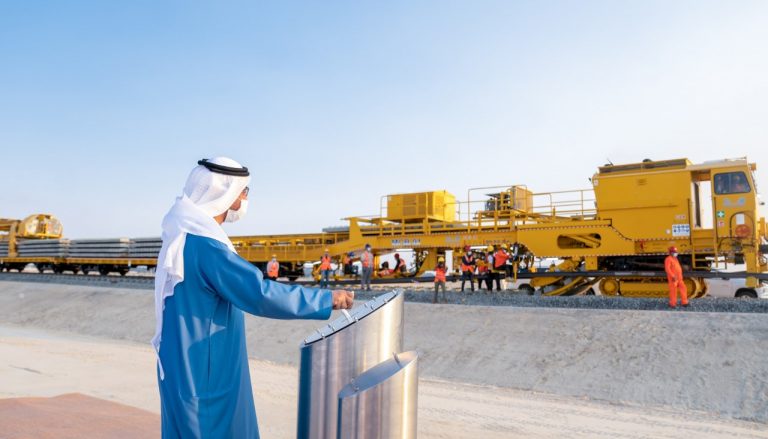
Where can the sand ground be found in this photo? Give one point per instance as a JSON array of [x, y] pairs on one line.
[[37, 362], [484, 371]]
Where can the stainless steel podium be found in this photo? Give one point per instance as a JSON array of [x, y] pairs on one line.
[[382, 402], [339, 352]]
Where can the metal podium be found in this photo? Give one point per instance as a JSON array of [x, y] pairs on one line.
[[340, 353], [382, 401]]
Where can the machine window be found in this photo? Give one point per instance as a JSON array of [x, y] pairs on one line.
[[731, 183]]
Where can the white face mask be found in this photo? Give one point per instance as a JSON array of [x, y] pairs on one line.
[[674, 254], [235, 215]]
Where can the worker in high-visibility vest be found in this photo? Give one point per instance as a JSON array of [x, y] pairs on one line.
[[440, 272], [366, 259], [468, 268], [325, 269], [497, 262], [500, 259], [273, 268], [675, 279]]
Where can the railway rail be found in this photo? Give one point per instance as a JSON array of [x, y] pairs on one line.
[[425, 295], [149, 279]]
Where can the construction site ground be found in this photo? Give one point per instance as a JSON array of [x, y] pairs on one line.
[[486, 371]]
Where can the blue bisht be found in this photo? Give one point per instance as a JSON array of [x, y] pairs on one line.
[[206, 391]]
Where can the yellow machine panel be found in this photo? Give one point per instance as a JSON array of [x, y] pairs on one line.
[[436, 205], [645, 203]]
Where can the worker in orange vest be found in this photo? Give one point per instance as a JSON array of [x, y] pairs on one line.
[[468, 268], [440, 272], [497, 260], [675, 279], [325, 269], [273, 268], [500, 259], [367, 261]]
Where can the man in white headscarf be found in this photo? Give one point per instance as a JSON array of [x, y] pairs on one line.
[[201, 286]]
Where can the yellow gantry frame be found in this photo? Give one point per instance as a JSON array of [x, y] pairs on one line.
[[38, 226], [632, 210]]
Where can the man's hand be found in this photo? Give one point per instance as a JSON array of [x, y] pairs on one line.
[[342, 299]]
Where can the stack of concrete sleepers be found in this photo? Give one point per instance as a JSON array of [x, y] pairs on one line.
[[55, 248], [145, 248], [3, 249], [99, 248]]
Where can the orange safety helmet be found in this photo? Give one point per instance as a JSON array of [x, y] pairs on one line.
[[672, 249]]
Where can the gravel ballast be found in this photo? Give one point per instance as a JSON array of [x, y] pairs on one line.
[[452, 297]]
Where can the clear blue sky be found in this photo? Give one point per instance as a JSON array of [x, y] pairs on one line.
[[105, 106]]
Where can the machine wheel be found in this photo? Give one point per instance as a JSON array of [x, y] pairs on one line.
[[610, 287], [693, 287], [746, 293], [103, 271], [527, 289], [123, 272], [292, 278]]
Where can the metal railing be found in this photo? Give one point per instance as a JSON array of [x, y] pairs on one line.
[[497, 211], [504, 208]]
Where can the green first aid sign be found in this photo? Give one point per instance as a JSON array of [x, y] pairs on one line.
[[721, 214]]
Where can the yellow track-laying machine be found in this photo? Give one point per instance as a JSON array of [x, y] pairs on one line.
[[614, 234]]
